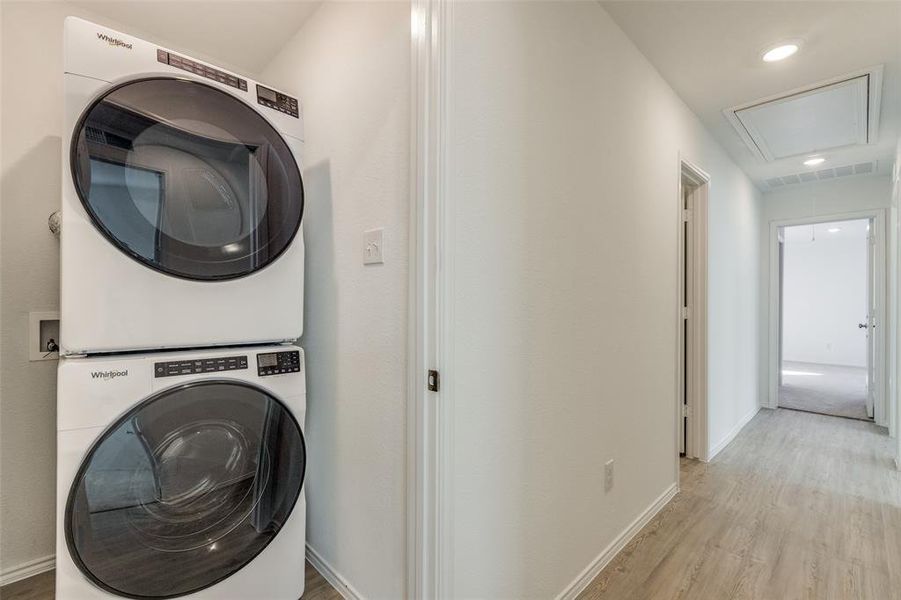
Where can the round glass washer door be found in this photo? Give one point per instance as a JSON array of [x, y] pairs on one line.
[[185, 489], [186, 179]]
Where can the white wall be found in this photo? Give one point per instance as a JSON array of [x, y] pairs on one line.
[[824, 295], [29, 178], [564, 175], [350, 65], [825, 198]]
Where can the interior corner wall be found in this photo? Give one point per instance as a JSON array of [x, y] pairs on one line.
[[802, 201], [563, 176], [31, 38], [350, 66]]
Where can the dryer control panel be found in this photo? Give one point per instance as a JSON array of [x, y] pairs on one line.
[[277, 101], [199, 365], [192, 66], [278, 363]]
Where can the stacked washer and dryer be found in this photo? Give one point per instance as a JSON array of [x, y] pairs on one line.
[[181, 396]]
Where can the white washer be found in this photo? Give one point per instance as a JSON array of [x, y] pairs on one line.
[[182, 201], [181, 475]]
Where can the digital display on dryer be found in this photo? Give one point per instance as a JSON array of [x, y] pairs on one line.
[[278, 363], [267, 360], [267, 94]]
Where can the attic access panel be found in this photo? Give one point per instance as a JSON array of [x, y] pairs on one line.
[[834, 114]]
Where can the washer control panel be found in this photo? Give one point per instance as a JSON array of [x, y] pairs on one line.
[[278, 363], [199, 365], [192, 66], [277, 101]]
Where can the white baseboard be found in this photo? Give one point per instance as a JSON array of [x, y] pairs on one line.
[[27, 569], [609, 553], [731, 435], [347, 591]]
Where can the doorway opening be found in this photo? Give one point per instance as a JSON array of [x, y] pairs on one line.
[[691, 351], [827, 347]]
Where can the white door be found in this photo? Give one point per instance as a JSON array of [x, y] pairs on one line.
[[870, 323], [685, 193]]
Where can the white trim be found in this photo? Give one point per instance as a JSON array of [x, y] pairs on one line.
[[27, 569], [881, 409], [429, 414], [697, 428], [609, 553], [335, 579], [727, 439]]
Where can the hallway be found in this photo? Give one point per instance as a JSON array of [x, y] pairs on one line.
[[800, 505]]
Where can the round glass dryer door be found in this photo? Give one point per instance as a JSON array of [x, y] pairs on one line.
[[185, 489], [186, 179]]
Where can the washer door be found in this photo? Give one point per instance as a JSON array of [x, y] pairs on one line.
[[185, 489], [186, 179]]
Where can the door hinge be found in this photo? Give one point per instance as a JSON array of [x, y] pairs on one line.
[[686, 410], [434, 381], [686, 214], [684, 312]]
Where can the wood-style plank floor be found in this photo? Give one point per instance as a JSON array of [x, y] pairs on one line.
[[40, 587], [799, 505]]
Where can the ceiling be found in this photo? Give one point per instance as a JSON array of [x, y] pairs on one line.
[[857, 229], [242, 35], [709, 52]]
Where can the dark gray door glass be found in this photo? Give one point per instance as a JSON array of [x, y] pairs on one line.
[[187, 179], [185, 489]]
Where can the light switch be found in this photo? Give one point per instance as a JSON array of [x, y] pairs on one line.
[[373, 250]]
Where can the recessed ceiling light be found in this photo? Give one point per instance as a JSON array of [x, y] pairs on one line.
[[834, 229], [812, 162], [780, 52]]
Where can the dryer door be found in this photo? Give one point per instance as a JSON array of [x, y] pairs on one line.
[[186, 178], [185, 489]]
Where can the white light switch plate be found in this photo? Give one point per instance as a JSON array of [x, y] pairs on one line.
[[608, 475], [373, 250]]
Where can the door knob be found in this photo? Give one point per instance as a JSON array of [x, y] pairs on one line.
[[861, 325]]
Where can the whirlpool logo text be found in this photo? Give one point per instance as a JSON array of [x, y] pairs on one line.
[[108, 375], [113, 41]]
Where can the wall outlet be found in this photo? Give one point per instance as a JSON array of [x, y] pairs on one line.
[[608, 475], [373, 250]]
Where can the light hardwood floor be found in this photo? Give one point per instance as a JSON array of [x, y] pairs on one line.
[[40, 587], [799, 505]]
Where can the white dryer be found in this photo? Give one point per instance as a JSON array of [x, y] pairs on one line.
[[181, 475], [182, 201]]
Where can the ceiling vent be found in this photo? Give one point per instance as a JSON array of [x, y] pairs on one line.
[[865, 168], [830, 114]]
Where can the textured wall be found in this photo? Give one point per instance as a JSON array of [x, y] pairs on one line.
[[565, 146], [350, 65], [29, 263]]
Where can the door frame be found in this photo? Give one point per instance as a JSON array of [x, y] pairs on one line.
[[430, 312], [695, 350], [881, 410]]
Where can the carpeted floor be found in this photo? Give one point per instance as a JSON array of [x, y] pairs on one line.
[[824, 389]]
